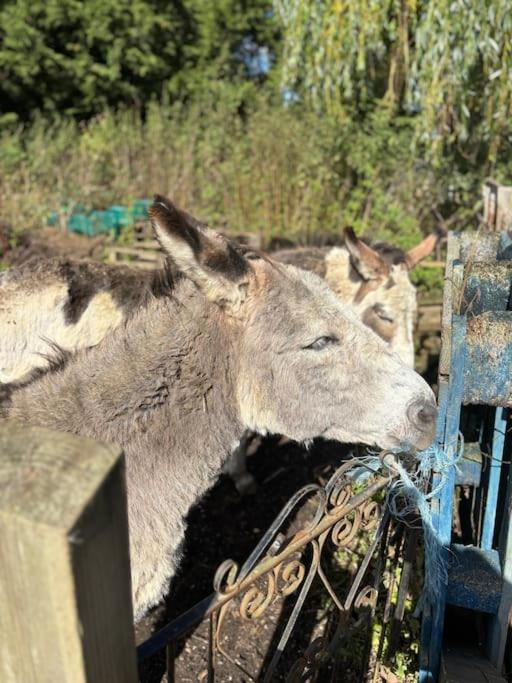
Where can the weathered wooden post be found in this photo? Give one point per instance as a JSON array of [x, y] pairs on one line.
[[65, 596], [497, 206]]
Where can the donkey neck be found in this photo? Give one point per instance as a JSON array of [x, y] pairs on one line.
[[161, 386]]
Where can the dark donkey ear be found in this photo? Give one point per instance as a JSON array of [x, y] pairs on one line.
[[214, 263], [424, 248], [365, 260]]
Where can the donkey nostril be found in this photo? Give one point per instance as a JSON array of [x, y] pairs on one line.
[[423, 413], [427, 414]]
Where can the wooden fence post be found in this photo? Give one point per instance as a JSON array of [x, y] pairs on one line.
[[497, 200], [65, 595]]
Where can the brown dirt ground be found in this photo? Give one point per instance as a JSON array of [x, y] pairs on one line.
[[47, 242], [225, 525]]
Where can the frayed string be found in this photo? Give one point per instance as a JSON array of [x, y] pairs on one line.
[[409, 494]]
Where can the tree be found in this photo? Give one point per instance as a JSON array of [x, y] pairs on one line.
[[447, 63], [79, 56]]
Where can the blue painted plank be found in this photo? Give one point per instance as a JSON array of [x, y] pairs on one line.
[[469, 468], [478, 248], [474, 579], [487, 288], [498, 443], [505, 247], [452, 425], [500, 623], [447, 436], [480, 372], [425, 673]]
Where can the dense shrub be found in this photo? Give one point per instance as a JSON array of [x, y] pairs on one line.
[[277, 170]]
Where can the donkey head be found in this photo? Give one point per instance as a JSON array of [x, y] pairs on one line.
[[303, 365], [377, 281]]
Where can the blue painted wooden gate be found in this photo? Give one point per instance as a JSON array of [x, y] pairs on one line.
[[475, 369]]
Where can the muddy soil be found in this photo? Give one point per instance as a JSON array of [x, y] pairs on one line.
[[46, 242]]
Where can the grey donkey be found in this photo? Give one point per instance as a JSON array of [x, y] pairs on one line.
[[74, 304], [233, 342], [375, 280]]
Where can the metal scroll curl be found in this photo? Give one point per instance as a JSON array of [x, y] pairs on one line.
[[348, 510], [285, 565]]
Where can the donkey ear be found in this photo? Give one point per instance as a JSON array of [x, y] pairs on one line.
[[365, 260], [211, 261], [424, 248]]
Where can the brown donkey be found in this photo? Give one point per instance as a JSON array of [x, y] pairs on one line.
[[374, 279], [229, 342]]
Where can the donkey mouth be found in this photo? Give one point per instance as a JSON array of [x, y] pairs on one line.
[[425, 440], [410, 443]]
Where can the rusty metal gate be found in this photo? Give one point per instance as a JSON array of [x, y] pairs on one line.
[[352, 504]]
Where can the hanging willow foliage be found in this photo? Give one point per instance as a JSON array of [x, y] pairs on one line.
[[447, 62]]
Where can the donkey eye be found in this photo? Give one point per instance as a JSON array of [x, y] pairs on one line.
[[383, 314], [322, 343]]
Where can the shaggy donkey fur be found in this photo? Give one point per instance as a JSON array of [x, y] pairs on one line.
[[236, 343], [75, 304]]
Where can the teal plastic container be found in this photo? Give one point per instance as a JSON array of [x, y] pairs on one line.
[[81, 224], [102, 221], [95, 223], [121, 215], [112, 219], [140, 209], [52, 217]]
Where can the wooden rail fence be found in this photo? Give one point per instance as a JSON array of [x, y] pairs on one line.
[[144, 254]]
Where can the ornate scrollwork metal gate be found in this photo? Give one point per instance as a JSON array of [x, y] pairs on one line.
[[352, 503]]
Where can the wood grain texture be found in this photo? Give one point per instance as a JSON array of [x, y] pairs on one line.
[[466, 666], [64, 564], [497, 204]]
